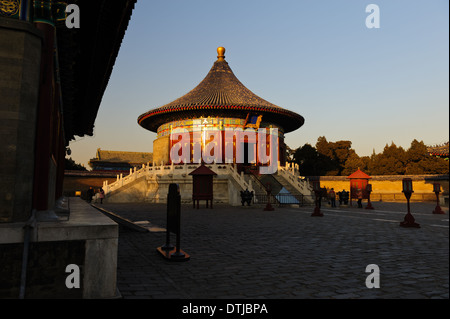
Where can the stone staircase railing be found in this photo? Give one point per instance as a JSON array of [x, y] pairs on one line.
[[291, 174], [240, 179], [170, 171]]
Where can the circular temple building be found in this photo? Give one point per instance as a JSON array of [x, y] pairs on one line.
[[219, 103]]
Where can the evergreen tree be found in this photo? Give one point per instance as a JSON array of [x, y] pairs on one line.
[[418, 161], [336, 153], [328, 164], [310, 162], [391, 161], [338, 158], [354, 162]]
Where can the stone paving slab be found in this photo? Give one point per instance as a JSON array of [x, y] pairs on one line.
[[248, 253]]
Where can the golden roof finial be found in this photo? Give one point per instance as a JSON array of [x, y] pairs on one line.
[[220, 53]]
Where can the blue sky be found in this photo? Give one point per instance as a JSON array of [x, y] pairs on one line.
[[316, 58]]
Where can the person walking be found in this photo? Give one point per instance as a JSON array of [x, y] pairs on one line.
[[101, 195], [332, 195], [359, 195], [90, 194]]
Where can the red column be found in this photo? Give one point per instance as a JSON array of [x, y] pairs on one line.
[[44, 119]]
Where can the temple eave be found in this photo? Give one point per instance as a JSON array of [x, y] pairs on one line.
[[151, 120], [221, 94]]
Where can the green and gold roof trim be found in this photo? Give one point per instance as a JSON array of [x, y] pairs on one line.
[[10, 8], [220, 93], [44, 11]]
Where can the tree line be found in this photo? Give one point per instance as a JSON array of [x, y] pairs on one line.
[[339, 159]]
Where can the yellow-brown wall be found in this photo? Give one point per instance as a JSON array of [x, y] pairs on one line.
[[389, 187]]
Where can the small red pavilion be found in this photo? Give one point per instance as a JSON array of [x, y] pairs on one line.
[[202, 185], [359, 180]]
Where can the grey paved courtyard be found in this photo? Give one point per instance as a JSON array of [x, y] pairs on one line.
[[245, 252]]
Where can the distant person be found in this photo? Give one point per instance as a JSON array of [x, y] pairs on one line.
[[340, 198], [101, 195], [332, 195], [359, 195], [345, 196], [90, 194]]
